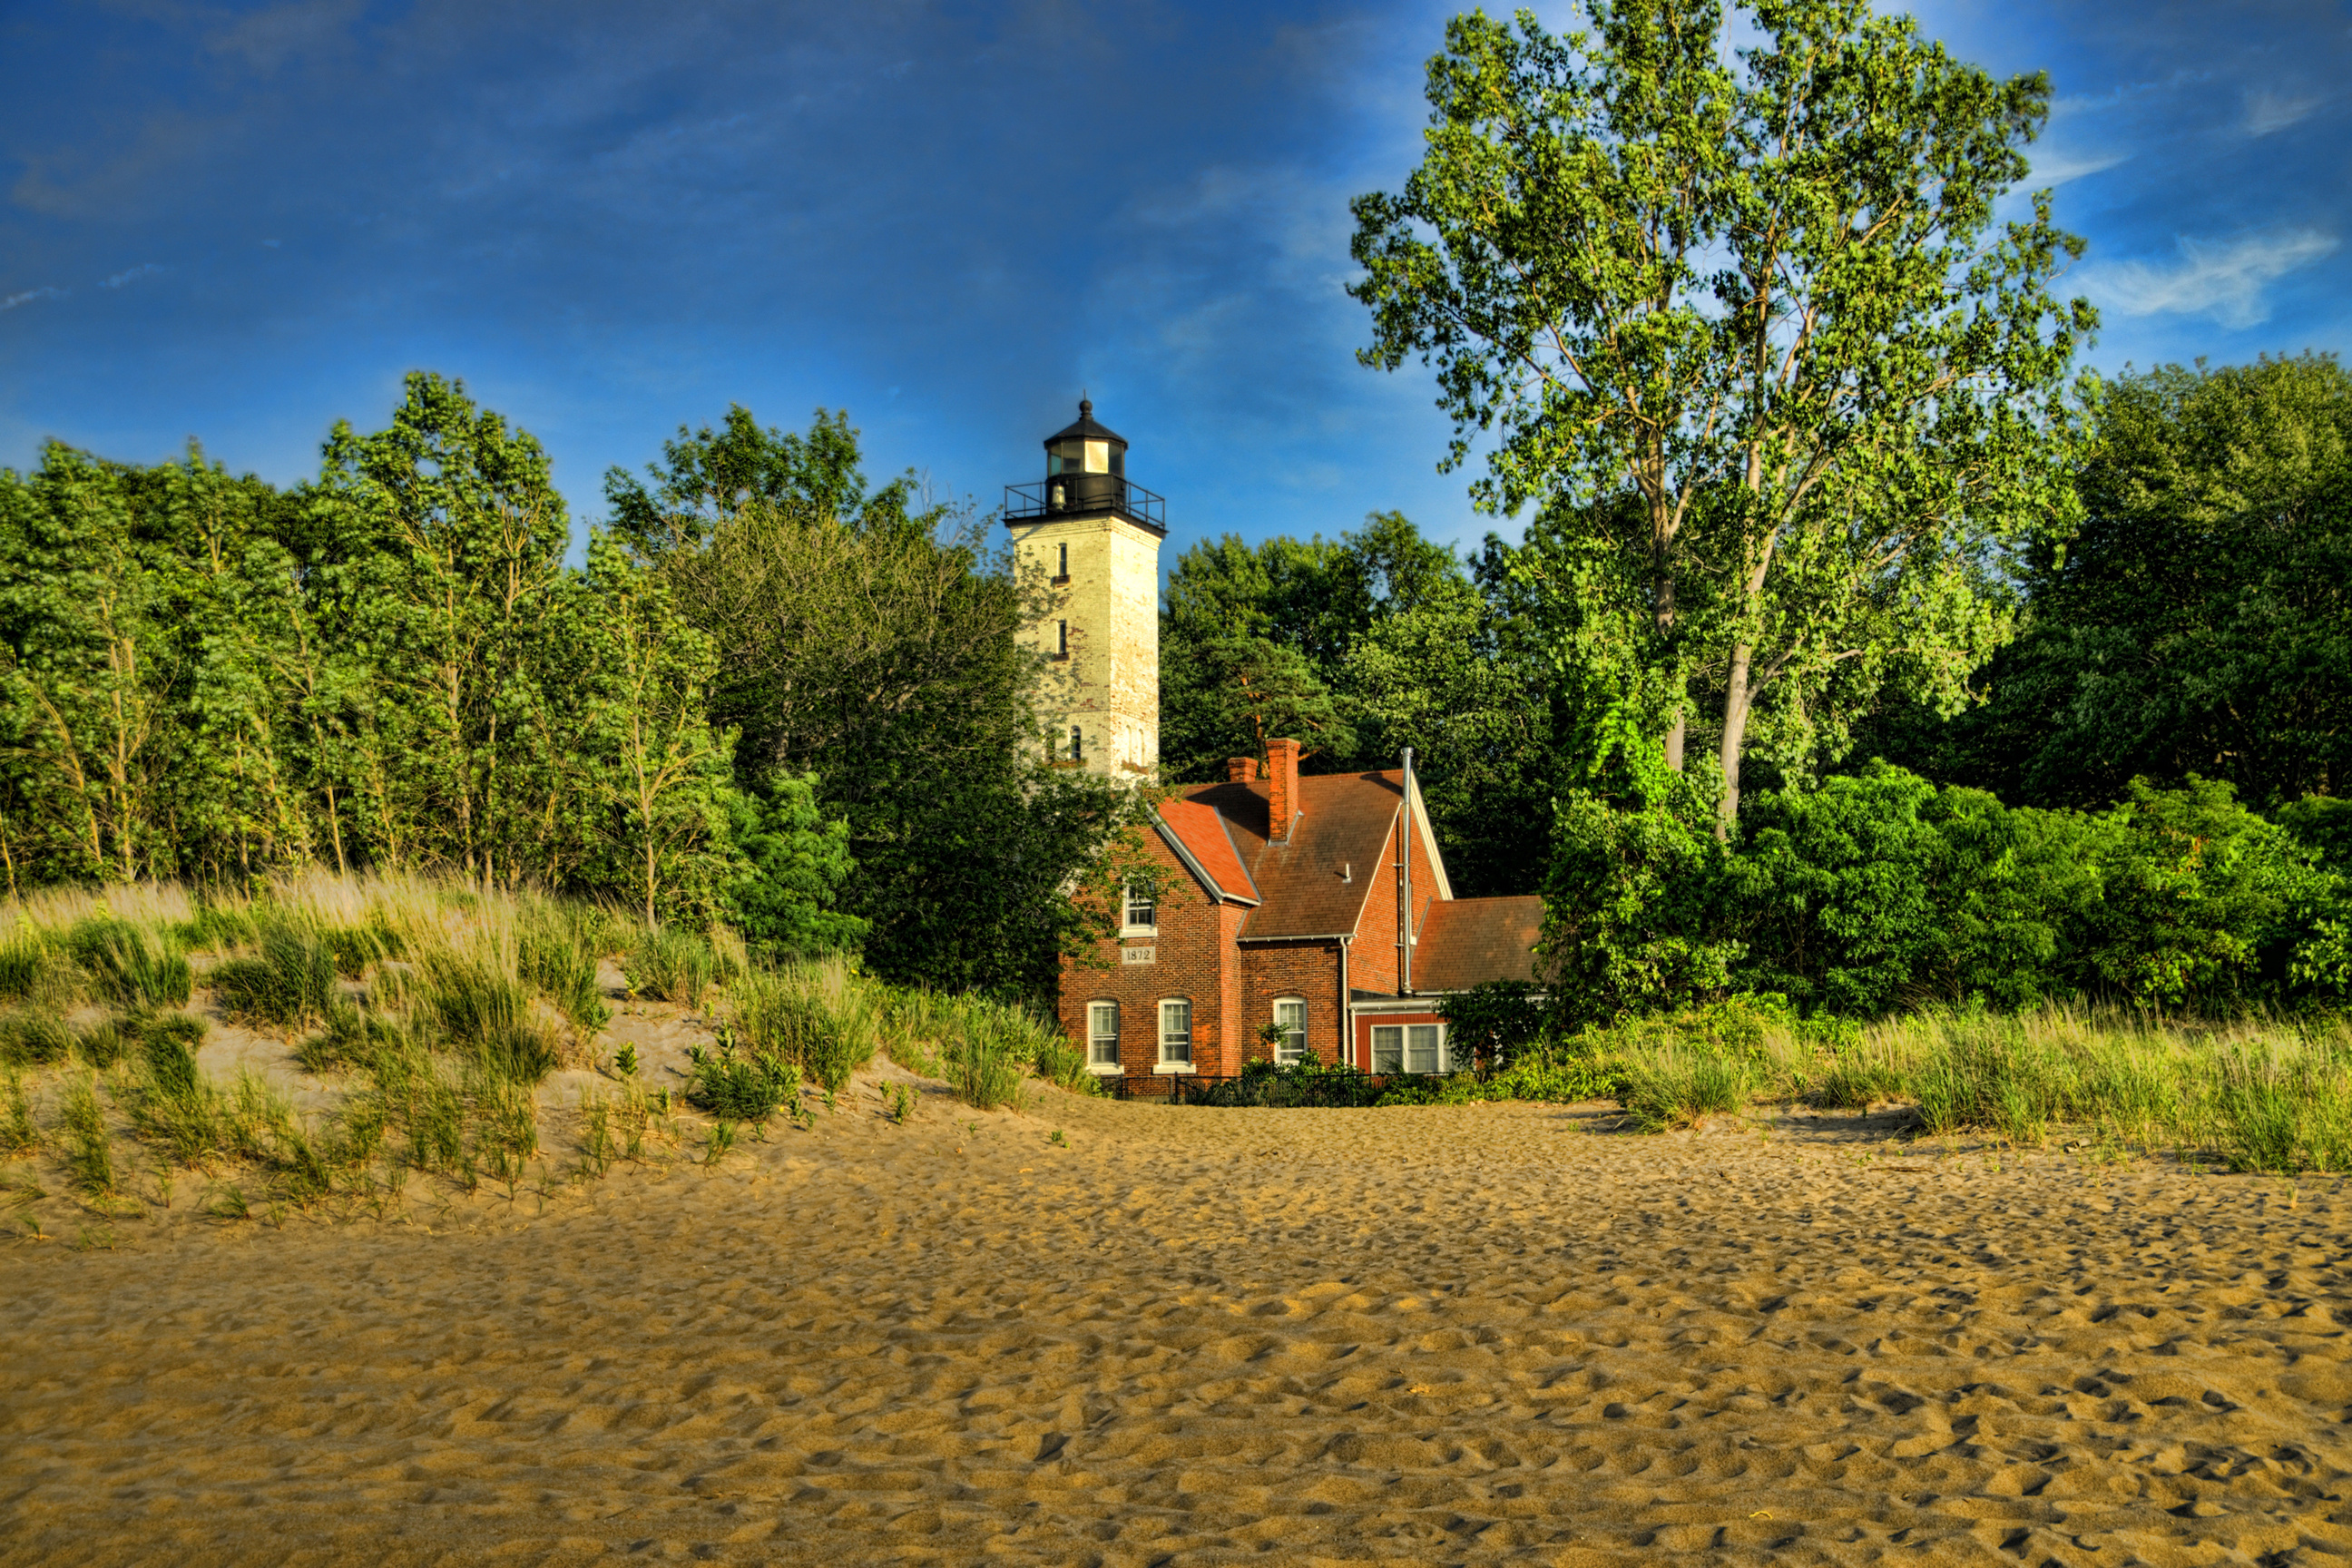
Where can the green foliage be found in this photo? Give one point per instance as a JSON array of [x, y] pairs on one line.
[[736, 1090], [557, 960], [1493, 1023], [1763, 292], [2197, 621], [795, 865]]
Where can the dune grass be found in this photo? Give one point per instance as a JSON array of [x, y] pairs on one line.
[[2268, 1094]]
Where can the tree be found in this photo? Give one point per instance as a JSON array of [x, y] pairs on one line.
[[2199, 621], [705, 477], [457, 536], [1763, 313], [670, 780]]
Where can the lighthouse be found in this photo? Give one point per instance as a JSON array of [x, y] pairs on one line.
[[1086, 541]]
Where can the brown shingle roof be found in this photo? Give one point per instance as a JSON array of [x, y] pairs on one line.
[[1316, 883], [1202, 833], [1466, 941]]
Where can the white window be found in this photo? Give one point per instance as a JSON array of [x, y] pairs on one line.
[[1290, 1017], [1141, 914], [1176, 1031], [1421, 1049], [1102, 1035], [1388, 1047]]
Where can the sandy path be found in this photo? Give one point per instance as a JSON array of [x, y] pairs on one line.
[[1429, 1335]]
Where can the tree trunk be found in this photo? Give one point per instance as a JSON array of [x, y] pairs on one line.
[[1736, 698]]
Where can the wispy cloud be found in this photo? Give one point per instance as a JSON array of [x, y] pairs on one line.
[[9, 303], [2225, 279], [2269, 111], [130, 275], [2056, 167]]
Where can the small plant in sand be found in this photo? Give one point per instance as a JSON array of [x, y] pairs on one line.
[[1058, 1141], [722, 1140], [19, 1133], [624, 1061], [899, 1103], [597, 1148]]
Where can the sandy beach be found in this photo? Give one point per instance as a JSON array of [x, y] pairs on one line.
[[1439, 1335]]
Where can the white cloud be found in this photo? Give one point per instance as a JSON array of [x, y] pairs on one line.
[[2055, 168], [10, 301], [2223, 279], [130, 275], [2269, 111]]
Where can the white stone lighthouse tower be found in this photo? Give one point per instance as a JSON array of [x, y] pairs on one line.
[[1088, 543]]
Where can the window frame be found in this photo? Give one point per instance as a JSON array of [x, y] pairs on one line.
[[1293, 1046], [1397, 1030], [1174, 1063], [1095, 1039], [1127, 906]]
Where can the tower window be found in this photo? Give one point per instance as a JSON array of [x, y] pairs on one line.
[[1064, 651], [1077, 745], [1064, 573]]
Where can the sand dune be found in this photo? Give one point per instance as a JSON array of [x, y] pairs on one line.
[[1419, 1335]]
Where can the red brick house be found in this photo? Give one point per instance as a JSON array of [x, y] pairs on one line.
[[1281, 900]]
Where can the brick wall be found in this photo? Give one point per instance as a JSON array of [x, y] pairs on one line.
[[1307, 969], [1195, 959]]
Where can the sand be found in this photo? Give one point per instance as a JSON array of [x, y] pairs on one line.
[[1433, 1335]]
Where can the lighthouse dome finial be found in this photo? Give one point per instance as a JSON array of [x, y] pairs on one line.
[[1086, 407]]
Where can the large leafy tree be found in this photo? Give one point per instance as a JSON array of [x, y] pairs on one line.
[[2200, 620], [1756, 324]]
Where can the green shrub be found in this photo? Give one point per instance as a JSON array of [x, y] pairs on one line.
[[737, 1090], [670, 965], [354, 948], [219, 928], [88, 1152], [20, 1133]]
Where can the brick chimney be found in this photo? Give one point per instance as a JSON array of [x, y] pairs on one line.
[[1241, 770], [1281, 802]]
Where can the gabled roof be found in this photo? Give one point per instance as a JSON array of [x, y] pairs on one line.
[[1197, 833], [1314, 883], [1466, 940]]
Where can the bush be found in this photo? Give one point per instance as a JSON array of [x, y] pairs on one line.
[[735, 1089]]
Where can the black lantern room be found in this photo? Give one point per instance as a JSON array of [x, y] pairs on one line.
[[1085, 473], [1085, 465]]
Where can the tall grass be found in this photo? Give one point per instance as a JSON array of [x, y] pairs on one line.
[[671, 966], [818, 1018]]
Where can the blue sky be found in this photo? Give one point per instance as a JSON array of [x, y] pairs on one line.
[[243, 222]]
